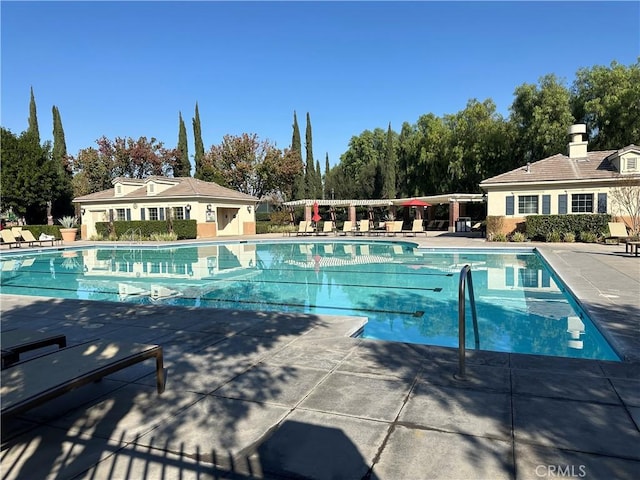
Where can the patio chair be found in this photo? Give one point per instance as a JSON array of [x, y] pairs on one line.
[[347, 228], [9, 239], [302, 228], [415, 229], [363, 227], [327, 228], [617, 231], [33, 382], [395, 228], [28, 237], [18, 340]]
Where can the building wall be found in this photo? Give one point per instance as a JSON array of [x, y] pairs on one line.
[[497, 200], [224, 218]]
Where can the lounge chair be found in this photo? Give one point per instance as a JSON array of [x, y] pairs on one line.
[[327, 228], [28, 237], [347, 228], [17, 341], [302, 227], [363, 227], [617, 231], [9, 239], [415, 229], [394, 228], [33, 382]]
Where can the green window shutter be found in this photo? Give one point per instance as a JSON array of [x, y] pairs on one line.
[[509, 206], [562, 204]]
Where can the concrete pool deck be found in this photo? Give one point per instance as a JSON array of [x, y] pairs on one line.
[[277, 395]]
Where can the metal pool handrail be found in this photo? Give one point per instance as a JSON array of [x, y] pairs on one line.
[[465, 276]]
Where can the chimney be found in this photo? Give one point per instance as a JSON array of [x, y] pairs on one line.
[[577, 147]]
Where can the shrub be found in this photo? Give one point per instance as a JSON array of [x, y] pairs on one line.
[[539, 226], [569, 237], [280, 217], [588, 237], [164, 237], [495, 224], [552, 237], [518, 237], [499, 237]]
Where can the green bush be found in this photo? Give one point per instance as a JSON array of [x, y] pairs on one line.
[[280, 217], [146, 228], [553, 237], [569, 237], [540, 226], [588, 237], [518, 237], [498, 237], [36, 230]]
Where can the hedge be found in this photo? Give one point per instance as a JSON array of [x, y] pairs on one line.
[[36, 230], [539, 227], [145, 228]]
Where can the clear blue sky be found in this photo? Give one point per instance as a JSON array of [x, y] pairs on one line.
[[127, 68]]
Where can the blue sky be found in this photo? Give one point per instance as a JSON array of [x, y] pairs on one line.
[[127, 68]]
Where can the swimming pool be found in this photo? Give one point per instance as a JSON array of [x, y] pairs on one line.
[[407, 294]]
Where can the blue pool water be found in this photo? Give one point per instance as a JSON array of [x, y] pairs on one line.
[[407, 294]]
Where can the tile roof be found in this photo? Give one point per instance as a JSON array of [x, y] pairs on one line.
[[559, 168], [183, 187]]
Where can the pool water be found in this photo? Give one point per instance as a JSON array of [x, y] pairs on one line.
[[407, 294]]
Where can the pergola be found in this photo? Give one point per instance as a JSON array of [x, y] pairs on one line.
[[454, 200]]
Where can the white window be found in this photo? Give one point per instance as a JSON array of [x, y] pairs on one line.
[[153, 213], [121, 214], [178, 213], [527, 204], [632, 163], [582, 203]]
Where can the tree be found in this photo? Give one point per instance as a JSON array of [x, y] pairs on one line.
[[361, 165], [625, 200], [93, 172], [389, 168], [27, 177], [61, 204], [327, 167], [608, 101], [299, 187], [33, 119], [313, 182], [182, 167], [199, 146], [239, 161]]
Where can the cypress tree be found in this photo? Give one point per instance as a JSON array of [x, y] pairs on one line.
[[182, 167], [310, 174], [199, 146], [326, 173], [62, 191], [33, 119], [318, 180], [299, 189], [389, 173]]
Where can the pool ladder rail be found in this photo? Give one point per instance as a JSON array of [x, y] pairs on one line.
[[131, 235], [465, 277]]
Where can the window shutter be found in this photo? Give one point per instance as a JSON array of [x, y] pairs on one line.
[[161, 213], [562, 204], [128, 214], [111, 217], [510, 203], [602, 203], [187, 213], [546, 204], [142, 213]]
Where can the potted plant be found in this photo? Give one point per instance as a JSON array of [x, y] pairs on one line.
[[69, 228]]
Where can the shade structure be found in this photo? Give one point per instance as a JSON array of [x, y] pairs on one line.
[[316, 216], [414, 202]]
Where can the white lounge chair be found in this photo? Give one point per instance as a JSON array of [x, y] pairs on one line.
[[9, 239], [618, 231]]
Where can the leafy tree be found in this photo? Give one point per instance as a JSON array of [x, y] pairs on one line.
[[182, 167], [541, 116], [626, 201], [29, 179], [279, 171], [389, 167], [93, 172], [244, 162], [608, 101], [33, 119], [199, 146], [361, 164]]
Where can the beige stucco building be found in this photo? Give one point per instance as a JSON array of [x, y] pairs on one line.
[[579, 182], [219, 211]]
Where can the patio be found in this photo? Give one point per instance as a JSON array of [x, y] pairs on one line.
[[276, 395]]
